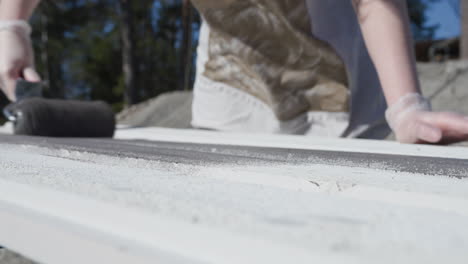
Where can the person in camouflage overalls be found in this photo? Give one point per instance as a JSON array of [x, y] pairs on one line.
[[308, 67]]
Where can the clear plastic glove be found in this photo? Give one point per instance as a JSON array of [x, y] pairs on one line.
[[16, 56], [413, 121]]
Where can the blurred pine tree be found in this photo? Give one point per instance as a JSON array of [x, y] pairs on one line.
[[79, 48]]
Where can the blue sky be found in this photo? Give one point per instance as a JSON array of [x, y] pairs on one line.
[[441, 13]]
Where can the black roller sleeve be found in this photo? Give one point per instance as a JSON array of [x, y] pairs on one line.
[[63, 118]]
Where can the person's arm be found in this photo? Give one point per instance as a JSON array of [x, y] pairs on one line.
[[17, 9], [16, 54], [386, 30]]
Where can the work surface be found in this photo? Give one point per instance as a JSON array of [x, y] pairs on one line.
[[204, 197]]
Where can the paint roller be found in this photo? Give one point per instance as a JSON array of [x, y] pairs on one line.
[[33, 115]]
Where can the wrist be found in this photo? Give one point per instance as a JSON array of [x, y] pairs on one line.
[[405, 105], [20, 26]]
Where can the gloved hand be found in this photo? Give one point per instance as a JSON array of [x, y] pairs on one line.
[[16, 56], [413, 121]]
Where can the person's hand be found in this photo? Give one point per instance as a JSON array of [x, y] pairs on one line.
[[16, 56], [413, 121]]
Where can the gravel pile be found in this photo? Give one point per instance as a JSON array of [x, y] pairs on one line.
[[172, 110]]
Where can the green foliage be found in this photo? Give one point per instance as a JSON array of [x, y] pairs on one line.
[[83, 50]]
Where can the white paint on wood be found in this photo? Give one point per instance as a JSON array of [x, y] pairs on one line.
[[74, 229], [61, 206], [292, 142]]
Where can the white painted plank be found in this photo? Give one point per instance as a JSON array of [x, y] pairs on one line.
[[292, 142], [58, 228], [54, 203]]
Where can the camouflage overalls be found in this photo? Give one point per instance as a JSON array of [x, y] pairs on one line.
[[271, 65]]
